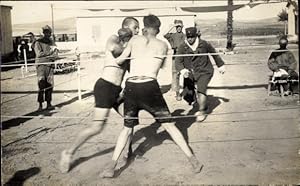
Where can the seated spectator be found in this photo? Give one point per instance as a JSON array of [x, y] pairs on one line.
[[283, 64]]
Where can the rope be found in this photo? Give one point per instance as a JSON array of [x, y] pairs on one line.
[[56, 85], [130, 58], [33, 59], [169, 117], [35, 64], [168, 143]]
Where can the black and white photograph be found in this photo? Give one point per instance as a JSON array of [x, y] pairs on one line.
[[142, 93]]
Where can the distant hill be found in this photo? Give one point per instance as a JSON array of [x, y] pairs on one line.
[[268, 20], [212, 27], [218, 27], [270, 26], [63, 26]]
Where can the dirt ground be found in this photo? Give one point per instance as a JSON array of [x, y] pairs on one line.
[[248, 137]]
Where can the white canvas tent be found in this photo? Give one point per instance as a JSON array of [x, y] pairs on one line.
[[93, 31]]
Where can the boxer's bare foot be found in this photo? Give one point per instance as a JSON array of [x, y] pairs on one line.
[[197, 167], [109, 170], [65, 161]]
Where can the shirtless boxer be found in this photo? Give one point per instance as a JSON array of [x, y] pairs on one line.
[[106, 89], [142, 91]]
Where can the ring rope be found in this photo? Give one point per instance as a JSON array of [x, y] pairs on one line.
[[56, 85], [165, 143], [161, 56], [169, 117]]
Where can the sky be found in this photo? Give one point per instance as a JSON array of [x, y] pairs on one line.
[[36, 11]]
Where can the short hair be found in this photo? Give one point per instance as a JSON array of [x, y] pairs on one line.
[[128, 20], [283, 38], [152, 21], [124, 33]]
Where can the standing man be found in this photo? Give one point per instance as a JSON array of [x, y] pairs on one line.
[[106, 90], [200, 67], [31, 49], [45, 51], [175, 39], [285, 61], [142, 90]]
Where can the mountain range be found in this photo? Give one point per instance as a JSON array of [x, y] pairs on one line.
[[68, 26]]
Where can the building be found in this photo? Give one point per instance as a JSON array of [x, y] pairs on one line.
[[6, 32], [293, 22]]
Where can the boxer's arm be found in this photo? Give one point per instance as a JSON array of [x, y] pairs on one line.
[[108, 55], [125, 54], [111, 42], [165, 52]]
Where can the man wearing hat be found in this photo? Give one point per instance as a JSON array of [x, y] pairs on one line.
[[200, 67], [46, 52], [175, 40]]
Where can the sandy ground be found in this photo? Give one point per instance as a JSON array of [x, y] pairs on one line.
[[248, 138]]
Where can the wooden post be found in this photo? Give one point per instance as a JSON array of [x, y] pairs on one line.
[[25, 60], [22, 71], [174, 75], [229, 45], [52, 18], [79, 81]]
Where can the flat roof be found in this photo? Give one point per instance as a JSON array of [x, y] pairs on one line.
[[6, 6]]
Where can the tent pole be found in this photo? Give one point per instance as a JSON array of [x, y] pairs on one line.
[[52, 22]]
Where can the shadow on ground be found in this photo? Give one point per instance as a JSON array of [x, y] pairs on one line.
[[84, 159], [154, 139], [21, 176], [240, 87], [35, 91], [21, 120]]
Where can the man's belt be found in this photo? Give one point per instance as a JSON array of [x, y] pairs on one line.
[[140, 79]]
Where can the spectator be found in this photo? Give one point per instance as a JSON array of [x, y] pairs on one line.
[[46, 51], [176, 39], [16, 44], [283, 64], [32, 40], [200, 67]]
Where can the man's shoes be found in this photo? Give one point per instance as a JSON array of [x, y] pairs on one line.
[[65, 162], [200, 116], [50, 107], [40, 109], [286, 93], [178, 97]]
